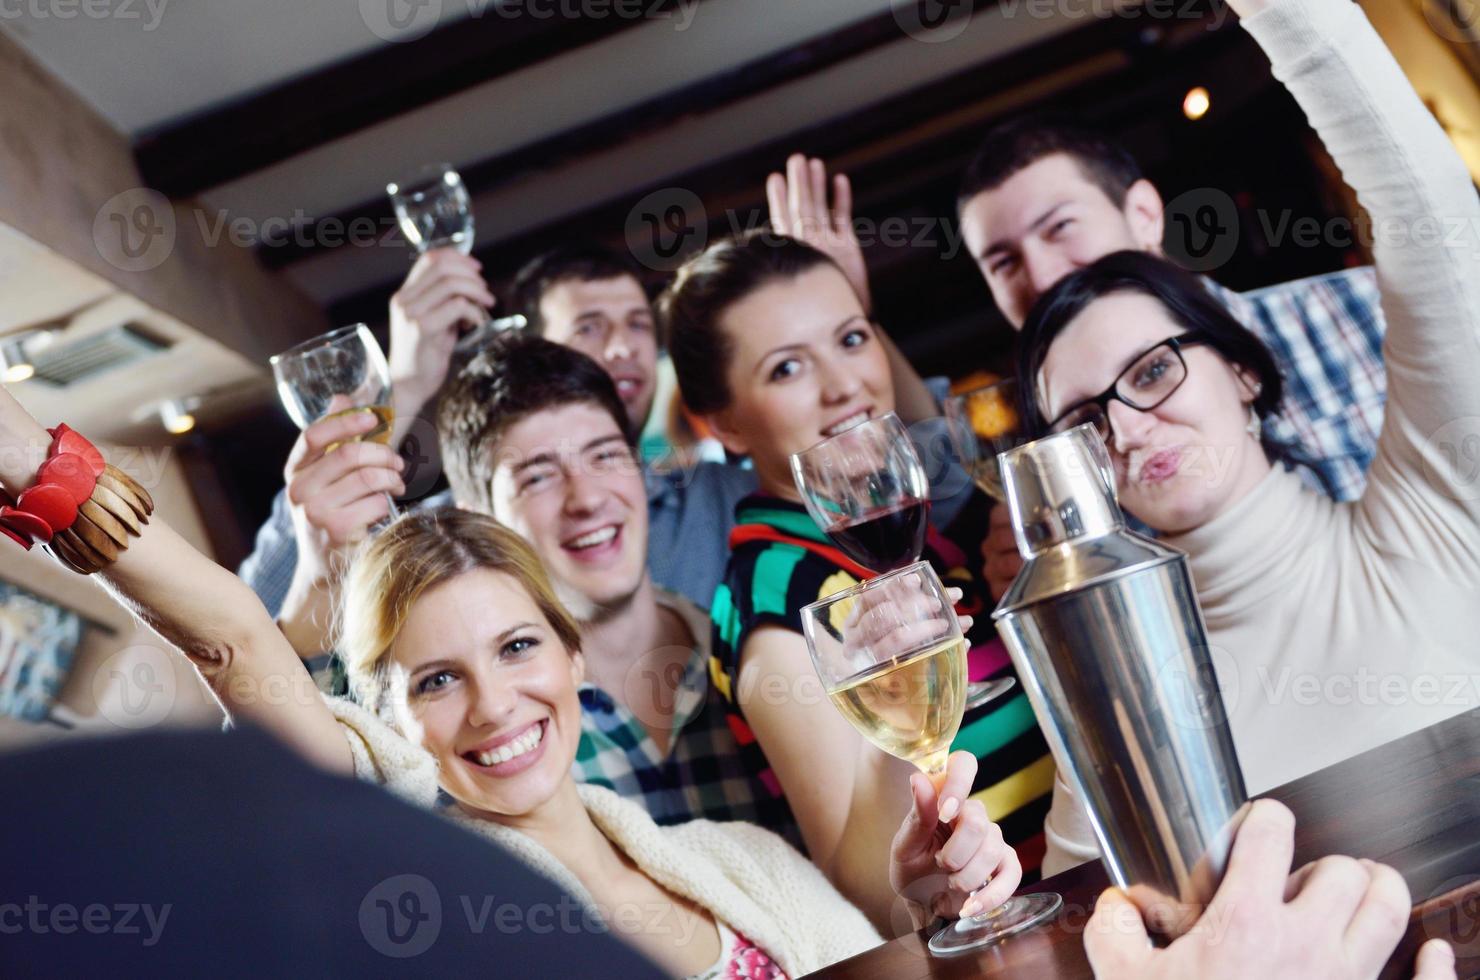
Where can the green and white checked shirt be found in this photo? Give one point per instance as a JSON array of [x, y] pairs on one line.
[[702, 775]]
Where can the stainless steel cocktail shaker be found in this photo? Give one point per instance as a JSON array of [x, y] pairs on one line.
[[1106, 634]]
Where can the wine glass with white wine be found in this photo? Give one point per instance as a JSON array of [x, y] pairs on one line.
[[340, 372], [892, 658], [434, 210]]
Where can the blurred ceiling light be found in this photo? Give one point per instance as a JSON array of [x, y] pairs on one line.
[[175, 415], [15, 354], [1196, 103]]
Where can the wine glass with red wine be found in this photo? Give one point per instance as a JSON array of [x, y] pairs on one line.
[[866, 488]]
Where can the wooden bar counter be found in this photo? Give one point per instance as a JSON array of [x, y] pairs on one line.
[[1413, 804]]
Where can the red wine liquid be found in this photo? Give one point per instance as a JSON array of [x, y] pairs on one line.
[[884, 539]]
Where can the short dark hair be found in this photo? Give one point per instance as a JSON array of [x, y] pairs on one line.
[[512, 378], [708, 284], [1019, 143], [578, 261], [1188, 301]]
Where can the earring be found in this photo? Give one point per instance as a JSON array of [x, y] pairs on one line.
[[1255, 427]]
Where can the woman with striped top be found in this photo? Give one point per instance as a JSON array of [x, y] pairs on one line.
[[773, 348]]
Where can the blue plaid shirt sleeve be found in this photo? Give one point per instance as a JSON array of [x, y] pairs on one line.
[[1326, 334], [269, 568]]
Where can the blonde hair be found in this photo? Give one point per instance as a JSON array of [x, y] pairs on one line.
[[419, 552]]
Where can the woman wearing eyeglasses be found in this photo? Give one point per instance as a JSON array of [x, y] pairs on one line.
[[1334, 627]]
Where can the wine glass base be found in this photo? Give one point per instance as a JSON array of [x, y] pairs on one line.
[[980, 693], [1017, 914]]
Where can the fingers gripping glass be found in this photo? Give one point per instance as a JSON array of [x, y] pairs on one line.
[[892, 658], [1148, 382], [338, 373]]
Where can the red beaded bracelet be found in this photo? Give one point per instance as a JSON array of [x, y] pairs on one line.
[[64, 483]]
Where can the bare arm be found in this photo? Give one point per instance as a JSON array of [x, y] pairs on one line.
[[200, 607], [849, 798]]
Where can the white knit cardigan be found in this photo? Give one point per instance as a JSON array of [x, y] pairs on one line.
[[739, 872]]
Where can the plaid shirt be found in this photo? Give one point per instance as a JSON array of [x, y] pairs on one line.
[[702, 776], [1326, 336]]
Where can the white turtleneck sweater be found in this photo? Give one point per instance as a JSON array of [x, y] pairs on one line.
[[1338, 627]]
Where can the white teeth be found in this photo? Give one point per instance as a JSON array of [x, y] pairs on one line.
[[594, 538], [625, 387], [847, 423], [513, 750]]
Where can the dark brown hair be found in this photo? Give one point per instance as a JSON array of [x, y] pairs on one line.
[[1019, 143], [578, 262], [512, 378], [707, 285]]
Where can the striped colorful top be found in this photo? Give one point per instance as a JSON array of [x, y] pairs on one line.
[[780, 561]]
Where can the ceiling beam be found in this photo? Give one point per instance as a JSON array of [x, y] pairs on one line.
[[221, 145], [807, 57]]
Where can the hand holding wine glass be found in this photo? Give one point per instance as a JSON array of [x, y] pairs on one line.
[[892, 657], [435, 213], [866, 488], [444, 292], [334, 376]]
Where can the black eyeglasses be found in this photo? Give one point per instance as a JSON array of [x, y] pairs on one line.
[[1153, 378]]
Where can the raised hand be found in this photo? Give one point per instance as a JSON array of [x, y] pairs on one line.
[[799, 207], [1336, 918], [444, 295], [949, 858], [336, 489]]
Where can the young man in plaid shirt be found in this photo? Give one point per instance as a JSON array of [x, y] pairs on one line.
[[534, 434], [1042, 199]]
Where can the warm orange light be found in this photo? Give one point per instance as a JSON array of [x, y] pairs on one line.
[[1196, 103]]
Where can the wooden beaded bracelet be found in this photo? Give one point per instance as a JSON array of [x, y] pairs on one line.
[[83, 509]]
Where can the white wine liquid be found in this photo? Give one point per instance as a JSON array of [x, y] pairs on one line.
[[381, 433], [911, 707]]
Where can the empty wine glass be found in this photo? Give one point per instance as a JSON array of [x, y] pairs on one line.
[[983, 422], [340, 372], [892, 658], [434, 210]]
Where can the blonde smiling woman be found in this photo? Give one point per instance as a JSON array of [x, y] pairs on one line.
[[455, 638]]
